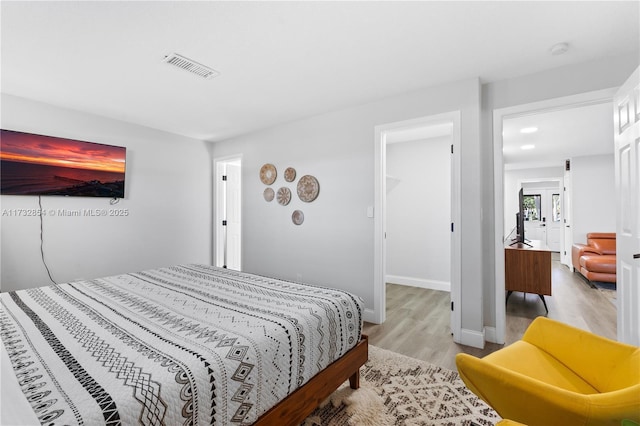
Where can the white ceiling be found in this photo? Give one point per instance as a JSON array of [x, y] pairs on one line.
[[561, 135], [421, 132], [281, 61], [573, 132]]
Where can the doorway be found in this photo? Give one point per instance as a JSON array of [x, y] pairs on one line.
[[544, 213], [499, 116], [419, 207], [227, 250], [387, 132]]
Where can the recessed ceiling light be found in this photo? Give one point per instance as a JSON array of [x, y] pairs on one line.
[[529, 130], [527, 147]]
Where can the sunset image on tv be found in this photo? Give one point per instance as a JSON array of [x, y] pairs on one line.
[[45, 165]]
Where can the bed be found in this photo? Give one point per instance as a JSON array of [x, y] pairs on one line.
[[182, 345]]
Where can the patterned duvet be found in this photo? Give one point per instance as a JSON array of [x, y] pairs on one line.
[[183, 345]]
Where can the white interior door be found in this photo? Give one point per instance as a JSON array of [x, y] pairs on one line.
[[234, 215], [543, 215], [533, 225], [627, 167], [228, 213], [553, 221]]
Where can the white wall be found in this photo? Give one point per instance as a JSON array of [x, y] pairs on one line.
[[419, 213], [512, 179], [335, 245], [599, 74], [168, 187], [593, 195]]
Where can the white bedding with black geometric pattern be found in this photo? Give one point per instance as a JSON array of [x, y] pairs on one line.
[[183, 345]]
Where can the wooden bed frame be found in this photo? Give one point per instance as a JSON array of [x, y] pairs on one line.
[[296, 407]]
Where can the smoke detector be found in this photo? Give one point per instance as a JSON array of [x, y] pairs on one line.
[[190, 66], [559, 49]]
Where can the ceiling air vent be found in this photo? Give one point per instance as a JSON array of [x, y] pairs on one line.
[[190, 66]]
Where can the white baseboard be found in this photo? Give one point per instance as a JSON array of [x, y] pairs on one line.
[[369, 315], [490, 335], [472, 338], [419, 282]]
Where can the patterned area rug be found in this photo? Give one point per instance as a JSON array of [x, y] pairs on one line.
[[398, 390]]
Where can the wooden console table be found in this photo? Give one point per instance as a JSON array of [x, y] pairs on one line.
[[527, 268]]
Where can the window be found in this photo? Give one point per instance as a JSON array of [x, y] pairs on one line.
[[555, 205], [532, 207]]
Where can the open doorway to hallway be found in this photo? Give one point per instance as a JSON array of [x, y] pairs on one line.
[[539, 141]]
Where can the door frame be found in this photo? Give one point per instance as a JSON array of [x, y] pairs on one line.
[[548, 105], [219, 195], [560, 182], [380, 200], [567, 212]]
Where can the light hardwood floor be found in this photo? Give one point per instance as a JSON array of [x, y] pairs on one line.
[[417, 323]]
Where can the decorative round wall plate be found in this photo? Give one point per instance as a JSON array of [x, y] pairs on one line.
[[284, 196], [290, 174], [297, 217], [268, 174], [269, 194], [308, 188]]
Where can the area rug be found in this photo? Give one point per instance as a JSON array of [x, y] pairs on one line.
[[608, 290], [397, 390]]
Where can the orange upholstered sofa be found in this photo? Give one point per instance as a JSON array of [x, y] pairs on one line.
[[596, 260]]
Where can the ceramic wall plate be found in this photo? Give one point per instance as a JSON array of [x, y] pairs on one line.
[[269, 194], [268, 174], [290, 174], [308, 188], [297, 217], [284, 196]]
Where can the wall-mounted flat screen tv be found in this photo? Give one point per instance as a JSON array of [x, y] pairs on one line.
[[44, 165]]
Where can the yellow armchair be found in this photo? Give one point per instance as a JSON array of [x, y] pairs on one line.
[[558, 375]]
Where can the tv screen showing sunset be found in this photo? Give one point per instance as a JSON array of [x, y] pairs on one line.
[[45, 165]]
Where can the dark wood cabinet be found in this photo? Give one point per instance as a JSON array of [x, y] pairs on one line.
[[528, 269]]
